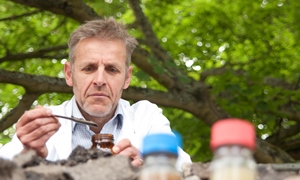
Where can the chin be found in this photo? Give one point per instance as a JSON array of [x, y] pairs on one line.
[[97, 113], [98, 110]]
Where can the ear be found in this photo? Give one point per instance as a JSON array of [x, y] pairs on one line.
[[128, 77], [68, 73]]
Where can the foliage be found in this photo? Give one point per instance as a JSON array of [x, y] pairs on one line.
[[245, 51], [197, 144]]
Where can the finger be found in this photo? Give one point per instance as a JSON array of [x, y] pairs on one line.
[[43, 152], [121, 145], [38, 106], [41, 133], [42, 125], [133, 153], [137, 162], [39, 145], [33, 114], [125, 148], [129, 151]]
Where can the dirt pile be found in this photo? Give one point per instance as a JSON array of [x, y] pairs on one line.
[[200, 171], [99, 165], [81, 164]]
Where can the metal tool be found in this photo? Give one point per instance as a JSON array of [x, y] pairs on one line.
[[79, 120]]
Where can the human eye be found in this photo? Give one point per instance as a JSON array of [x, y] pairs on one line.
[[112, 70], [88, 69]]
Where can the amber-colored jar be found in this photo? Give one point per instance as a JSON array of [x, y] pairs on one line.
[[105, 142]]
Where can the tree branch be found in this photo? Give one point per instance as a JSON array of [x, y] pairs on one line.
[[75, 9], [12, 117], [42, 53], [42, 84], [276, 138], [275, 82], [146, 28], [139, 58], [35, 83], [20, 16], [268, 153], [157, 50], [290, 113]]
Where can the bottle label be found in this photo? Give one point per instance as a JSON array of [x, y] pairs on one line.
[[106, 150], [233, 173]]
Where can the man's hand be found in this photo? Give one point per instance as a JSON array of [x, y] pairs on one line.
[[124, 147], [35, 127]]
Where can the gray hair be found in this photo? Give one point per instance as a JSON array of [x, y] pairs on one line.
[[108, 29]]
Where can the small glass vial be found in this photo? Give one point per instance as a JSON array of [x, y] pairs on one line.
[[105, 142], [160, 152], [233, 143]]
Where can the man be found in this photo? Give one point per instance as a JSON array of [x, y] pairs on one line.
[[99, 70]]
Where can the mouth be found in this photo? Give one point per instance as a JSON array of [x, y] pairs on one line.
[[98, 95]]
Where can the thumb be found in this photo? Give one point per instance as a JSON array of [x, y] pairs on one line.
[[43, 152]]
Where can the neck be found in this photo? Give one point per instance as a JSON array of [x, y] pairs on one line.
[[100, 121], [96, 130]]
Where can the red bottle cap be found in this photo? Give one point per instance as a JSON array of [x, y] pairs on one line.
[[232, 131]]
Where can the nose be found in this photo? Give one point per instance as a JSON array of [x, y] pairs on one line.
[[100, 77]]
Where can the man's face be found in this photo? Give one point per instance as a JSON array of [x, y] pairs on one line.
[[99, 76]]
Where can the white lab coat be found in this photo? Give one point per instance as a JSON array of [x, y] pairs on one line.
[[140, 119]]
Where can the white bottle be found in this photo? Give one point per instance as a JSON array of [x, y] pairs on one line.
[[233, 143], [160, 152]]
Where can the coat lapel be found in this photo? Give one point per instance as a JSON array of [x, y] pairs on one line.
[[63, 138], [128, 129]]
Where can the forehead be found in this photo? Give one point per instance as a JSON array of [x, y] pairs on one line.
[[94, 48], [101, 44]]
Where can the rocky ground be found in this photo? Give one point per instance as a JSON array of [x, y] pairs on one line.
[[95, 164]]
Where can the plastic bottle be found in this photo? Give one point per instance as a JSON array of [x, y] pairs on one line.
[[160, 152], [105, 142], [233, 143]]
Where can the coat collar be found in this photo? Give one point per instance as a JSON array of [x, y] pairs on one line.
[[63, 138]]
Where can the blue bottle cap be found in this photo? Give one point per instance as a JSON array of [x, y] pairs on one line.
[[178, 137], [160, 142]]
